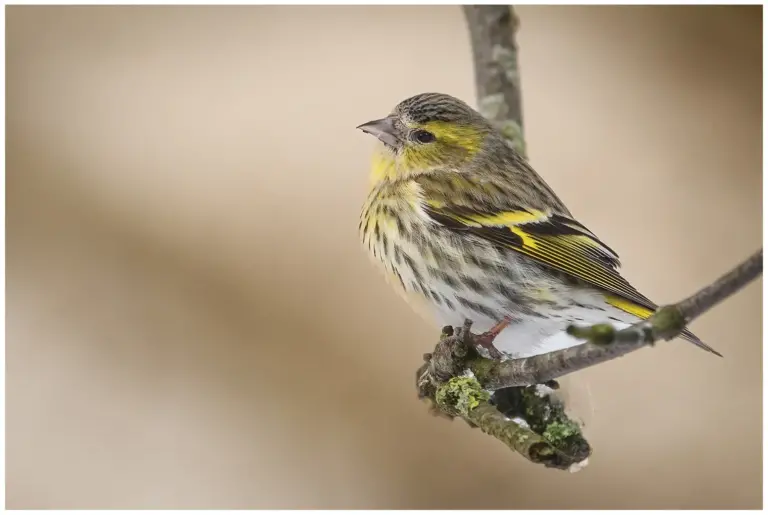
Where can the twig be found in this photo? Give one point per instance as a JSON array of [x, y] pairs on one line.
[[727, 285], [492, 30]]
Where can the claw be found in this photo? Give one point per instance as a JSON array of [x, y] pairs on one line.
[[494, 331], [486, 339]]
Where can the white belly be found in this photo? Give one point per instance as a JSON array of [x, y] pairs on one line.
[[531, 335]]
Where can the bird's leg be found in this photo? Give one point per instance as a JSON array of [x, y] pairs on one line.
[[486, 339]]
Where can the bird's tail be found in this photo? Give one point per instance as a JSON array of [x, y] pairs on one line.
[[689, 336], [645, 312]]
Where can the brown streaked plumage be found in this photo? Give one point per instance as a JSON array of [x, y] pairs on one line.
[[465, 228]]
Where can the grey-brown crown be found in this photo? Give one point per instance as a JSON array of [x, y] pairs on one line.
[[427, 107]]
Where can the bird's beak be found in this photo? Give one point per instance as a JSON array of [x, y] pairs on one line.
[[383, 129]]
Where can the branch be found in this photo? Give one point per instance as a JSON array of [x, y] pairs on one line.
[[528, 420], [492, 30]]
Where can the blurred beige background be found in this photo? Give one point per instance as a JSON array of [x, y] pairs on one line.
[[192, 324]]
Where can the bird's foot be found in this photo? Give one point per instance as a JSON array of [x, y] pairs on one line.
[[485, 340]]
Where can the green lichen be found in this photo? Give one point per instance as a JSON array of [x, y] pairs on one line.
[[668, 321], [545, 414], [483, 368], [598, 334], [461, 395], [514, 133], [507, 59], [558, 432], [493, 106]]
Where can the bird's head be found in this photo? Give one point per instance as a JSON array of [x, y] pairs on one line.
[[426, 133]]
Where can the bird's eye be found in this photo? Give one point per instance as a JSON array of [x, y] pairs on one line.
[[423, 136]]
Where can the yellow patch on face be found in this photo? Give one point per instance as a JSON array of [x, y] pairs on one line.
[[628, 307], [454, 144], [465, 136], [383, 166]]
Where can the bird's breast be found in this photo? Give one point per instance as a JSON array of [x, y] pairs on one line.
[[432, 267]]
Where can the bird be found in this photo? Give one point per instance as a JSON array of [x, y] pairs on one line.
[[464, 228]]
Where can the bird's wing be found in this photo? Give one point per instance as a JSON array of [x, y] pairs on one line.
[[554, 240], [551, 239]]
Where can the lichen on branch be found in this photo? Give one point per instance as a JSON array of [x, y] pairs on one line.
[[460, 395], [529, 420]]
